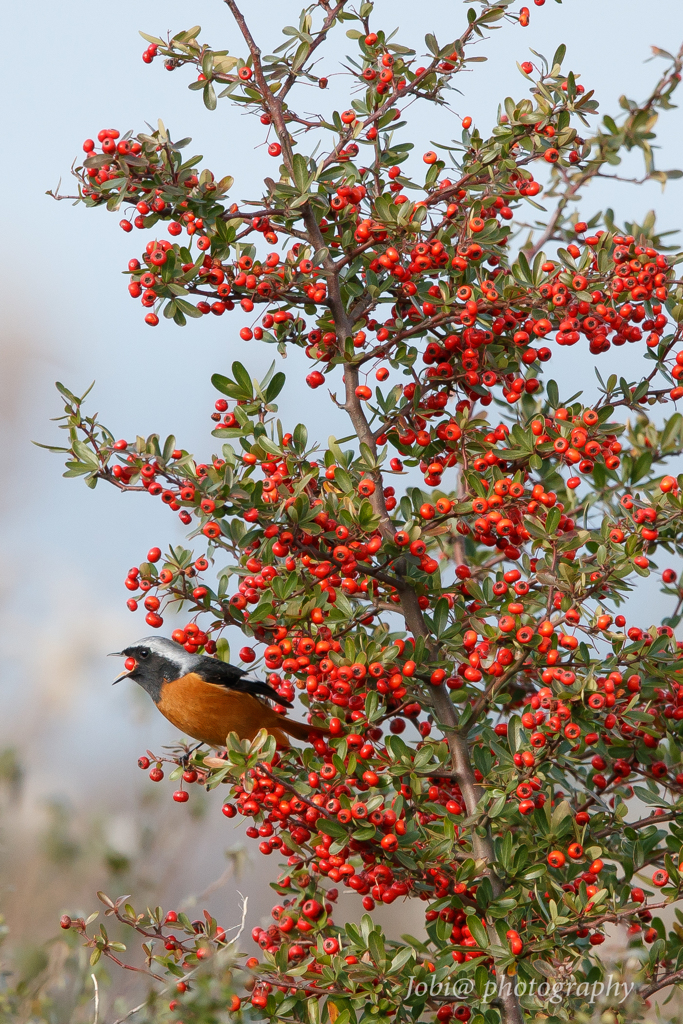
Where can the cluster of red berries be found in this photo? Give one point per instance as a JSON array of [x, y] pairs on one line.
[[382, 878], [458, 358], [150, 53], [525, 15], [188, 776], [145, 578]]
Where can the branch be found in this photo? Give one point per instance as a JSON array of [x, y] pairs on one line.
[[654, 819], [320, 37], [667, 980]]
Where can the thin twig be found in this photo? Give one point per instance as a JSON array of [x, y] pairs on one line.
[[187, 977], [97, 1000], [130, 1013]]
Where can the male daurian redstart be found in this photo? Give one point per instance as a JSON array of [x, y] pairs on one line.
[[207, 698]]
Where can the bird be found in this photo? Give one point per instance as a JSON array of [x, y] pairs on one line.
[[207, 698]]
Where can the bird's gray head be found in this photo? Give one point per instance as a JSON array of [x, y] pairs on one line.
[[152, 661]]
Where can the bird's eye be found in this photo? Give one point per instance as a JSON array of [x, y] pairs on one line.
[[143, 653]]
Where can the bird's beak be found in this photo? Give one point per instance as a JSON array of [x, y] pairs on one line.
[[122, 675]]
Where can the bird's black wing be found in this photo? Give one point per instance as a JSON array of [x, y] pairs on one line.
[[216, 671]]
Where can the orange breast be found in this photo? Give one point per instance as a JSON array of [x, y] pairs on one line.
[[208, 712]]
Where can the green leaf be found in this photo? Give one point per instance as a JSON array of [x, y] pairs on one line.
[[658, 645], [300, 438], [85, 454], [225, 386], [186, 36], [300, 172], [188, 309], [223, 650], [401, 959], [209, 96], [275, 387], [478, 931], [432, 44], [552, 521], [153, 39], [169, 448], [641, 467], [331, 828], [343, 480], [559, 55], [313, 1011], [562, 811], [498, 806], [50, 447], [441, 616], [515, 733], [270, 446], [77, 469], [376, 947], [243, 380]]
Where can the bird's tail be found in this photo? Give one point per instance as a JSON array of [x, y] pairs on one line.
[[302, 730]]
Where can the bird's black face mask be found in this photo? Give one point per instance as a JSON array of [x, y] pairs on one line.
[[146, 668]]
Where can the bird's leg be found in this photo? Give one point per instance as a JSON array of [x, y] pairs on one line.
[[185, 759]]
